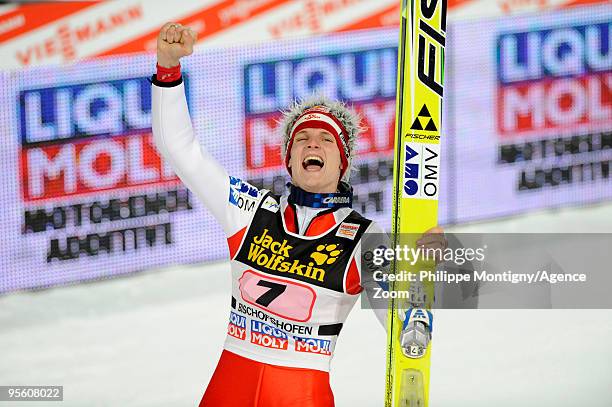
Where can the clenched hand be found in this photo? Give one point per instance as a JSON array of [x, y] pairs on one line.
[[174, 42]]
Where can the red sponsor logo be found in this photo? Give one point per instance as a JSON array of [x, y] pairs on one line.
[[236, 331], [208, 21], [311, 116], [268, 341], [310, 345], [242, 10], [89, 166], [67, 37], [310, 16], [510, 6], [555, 103], [348, 230]]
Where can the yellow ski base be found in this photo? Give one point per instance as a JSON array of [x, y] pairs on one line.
[[416, 180]]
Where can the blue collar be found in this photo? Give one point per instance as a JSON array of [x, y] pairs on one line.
[[343, 198]]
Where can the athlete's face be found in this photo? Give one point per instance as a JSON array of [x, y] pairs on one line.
[[315, 161]]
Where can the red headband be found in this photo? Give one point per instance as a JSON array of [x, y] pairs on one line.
[[318, 117]]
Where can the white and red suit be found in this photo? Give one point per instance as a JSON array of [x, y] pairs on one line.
[[295, 273]]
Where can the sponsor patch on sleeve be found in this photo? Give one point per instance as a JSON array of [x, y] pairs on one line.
[[348, 230], [242, 194]]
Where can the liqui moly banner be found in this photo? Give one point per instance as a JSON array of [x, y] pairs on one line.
[[531, 120], [86, 194]]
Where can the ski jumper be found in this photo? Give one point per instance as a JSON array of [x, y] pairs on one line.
[[295, 271]]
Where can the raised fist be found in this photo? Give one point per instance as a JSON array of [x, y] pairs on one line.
[[174, 42]]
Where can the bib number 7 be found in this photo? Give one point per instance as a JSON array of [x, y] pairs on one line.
[[284, 298], [275, 291]]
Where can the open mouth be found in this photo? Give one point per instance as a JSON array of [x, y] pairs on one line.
[[313, 163]]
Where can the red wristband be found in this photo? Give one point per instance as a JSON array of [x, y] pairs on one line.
[[168, 74]]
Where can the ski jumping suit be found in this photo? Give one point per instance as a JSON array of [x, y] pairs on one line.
[[295, 273]]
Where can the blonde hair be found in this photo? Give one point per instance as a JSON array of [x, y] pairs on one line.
[[351, 121]]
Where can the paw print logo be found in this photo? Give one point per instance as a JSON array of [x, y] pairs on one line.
[[326, 254]]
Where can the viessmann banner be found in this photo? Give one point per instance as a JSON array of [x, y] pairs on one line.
[[44, 33], [87, 196]]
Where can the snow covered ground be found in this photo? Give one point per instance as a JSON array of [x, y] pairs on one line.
[[154, 338]]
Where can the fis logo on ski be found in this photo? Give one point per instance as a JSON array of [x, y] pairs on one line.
[[421, 170], [268, 336], [267, 252], [431, 41], [313, 345], [237, 326], [242, 194]]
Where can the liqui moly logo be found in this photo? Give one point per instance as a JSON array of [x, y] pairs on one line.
[[85, 138], [84, 110], [554, 78], [237, 326], [268, 336], [365, 79], [313, 345]]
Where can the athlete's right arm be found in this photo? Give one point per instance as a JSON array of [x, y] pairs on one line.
[[174, 136]]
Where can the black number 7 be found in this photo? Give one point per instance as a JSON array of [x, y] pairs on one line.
[[275, 290]]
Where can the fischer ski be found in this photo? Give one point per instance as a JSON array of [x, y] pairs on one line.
[[415, 195]]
